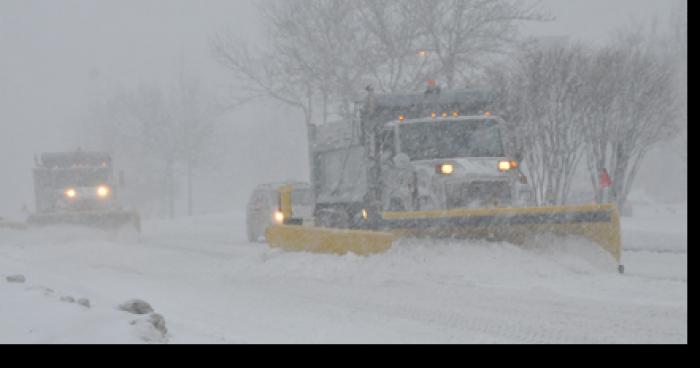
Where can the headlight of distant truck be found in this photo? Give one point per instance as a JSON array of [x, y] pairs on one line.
[[70, 193], [103, 191]]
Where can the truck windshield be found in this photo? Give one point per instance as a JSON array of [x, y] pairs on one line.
[[451, 139]]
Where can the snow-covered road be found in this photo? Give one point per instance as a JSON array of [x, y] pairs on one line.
[[212, 286]]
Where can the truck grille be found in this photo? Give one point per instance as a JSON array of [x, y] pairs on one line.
[[478, 194]]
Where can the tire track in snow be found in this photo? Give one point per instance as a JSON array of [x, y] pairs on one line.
[[541, 321]]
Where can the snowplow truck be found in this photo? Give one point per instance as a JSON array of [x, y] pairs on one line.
[[426, 165], [78, 188]]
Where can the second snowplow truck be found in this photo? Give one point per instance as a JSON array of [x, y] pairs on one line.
[[426, 165], [79, 188]]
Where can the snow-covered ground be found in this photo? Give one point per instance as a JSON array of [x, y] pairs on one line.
[[211, 286]]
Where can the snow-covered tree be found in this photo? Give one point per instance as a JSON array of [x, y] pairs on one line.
[[463, 35], [540, 94], [157, 132], [195, 113], [607, 106], [632, 105], [307, 61], [319, 55]]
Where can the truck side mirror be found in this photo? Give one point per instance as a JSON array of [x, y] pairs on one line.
[[122, 179]]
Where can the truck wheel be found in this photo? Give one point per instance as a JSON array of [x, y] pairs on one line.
[[396, 205], [336, 219]]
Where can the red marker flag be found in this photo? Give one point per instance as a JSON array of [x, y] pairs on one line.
[[604, 179]]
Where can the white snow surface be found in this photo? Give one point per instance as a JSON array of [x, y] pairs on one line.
[[212, 286]]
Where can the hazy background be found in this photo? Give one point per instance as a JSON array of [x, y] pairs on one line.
[[54, 54]]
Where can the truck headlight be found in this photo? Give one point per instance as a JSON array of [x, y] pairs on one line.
[[70, 193], [103, 191], [504, 166], [446, 169]]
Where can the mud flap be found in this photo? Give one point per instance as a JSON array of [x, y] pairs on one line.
[[333, 241], [597, 223]]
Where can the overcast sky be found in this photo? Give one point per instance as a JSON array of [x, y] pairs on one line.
[[50, 48]]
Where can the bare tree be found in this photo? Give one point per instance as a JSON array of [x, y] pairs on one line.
[[539, 93], [397, 55], [137, 127], [320, 54], [678, 52], [311, 59], [156, 132], [194, 113], [261, 74], [632, 106], [462, 34]]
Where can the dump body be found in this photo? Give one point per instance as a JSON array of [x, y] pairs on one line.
[[78, 188]]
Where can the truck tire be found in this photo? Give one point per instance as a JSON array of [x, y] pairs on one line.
[[396, 205], [334, 218]]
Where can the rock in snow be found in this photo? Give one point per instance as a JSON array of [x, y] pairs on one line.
[[85, 302], [158, 322], [68, 299], [136, 306], [15, 278], [151, 329]]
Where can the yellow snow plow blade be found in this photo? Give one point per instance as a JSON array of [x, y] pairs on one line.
[[597, 223], [334, 241]]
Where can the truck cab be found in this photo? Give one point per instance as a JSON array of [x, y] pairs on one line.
[[79, 188], [449, 161], [75, 181], [414, 152]]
